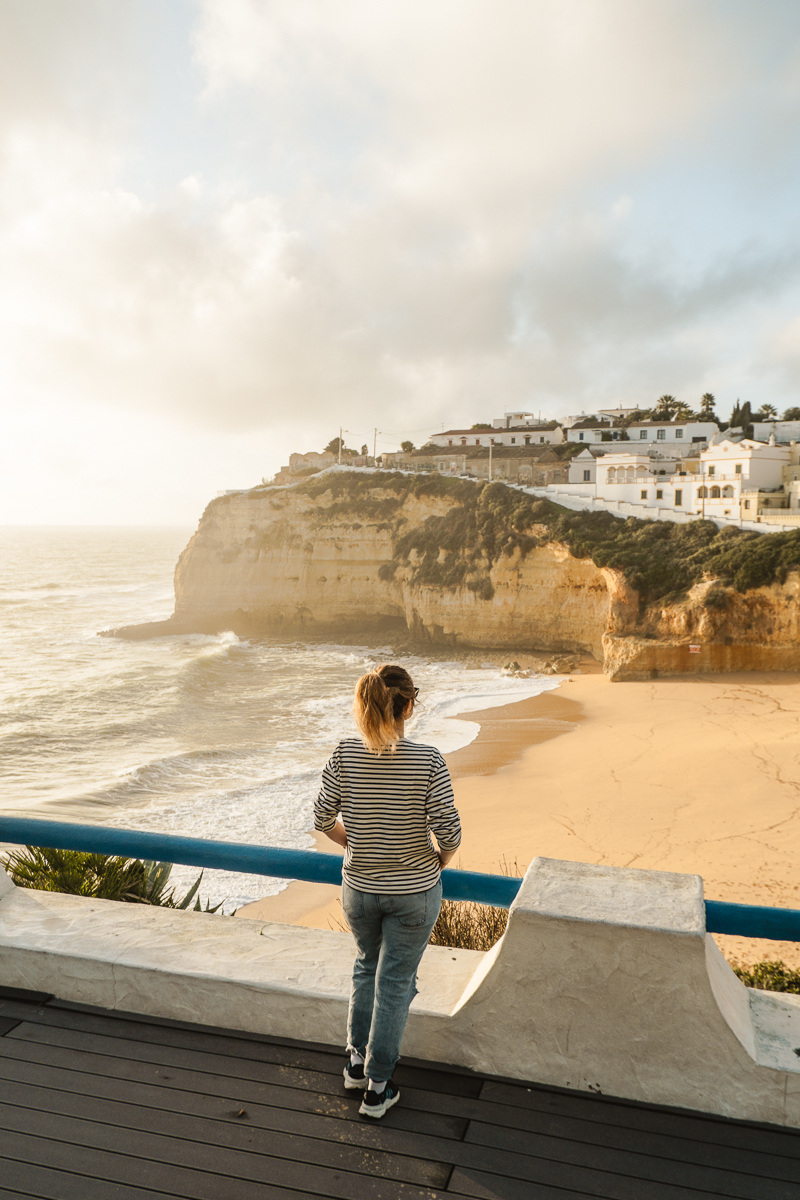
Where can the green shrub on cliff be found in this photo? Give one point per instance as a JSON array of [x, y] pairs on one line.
[[488, 521]]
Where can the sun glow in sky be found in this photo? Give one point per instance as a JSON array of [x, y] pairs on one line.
[[228, 227]]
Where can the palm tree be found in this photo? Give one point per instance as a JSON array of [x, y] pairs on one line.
[[682, 412], [666, 406], [768, 411], [707, 403]]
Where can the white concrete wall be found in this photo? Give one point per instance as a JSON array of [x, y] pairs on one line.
[[605, 980], [570, 497], [784, 431]]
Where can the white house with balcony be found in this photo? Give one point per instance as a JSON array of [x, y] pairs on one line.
[[733, 475], [731, 482]]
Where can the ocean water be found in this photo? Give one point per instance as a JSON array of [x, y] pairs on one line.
[[215, 737]]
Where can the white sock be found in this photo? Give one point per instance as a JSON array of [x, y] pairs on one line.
[[355, 1058], [376, 1085]]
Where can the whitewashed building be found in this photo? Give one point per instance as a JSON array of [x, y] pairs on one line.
[[679, 436], [546, 434], [732, 482]]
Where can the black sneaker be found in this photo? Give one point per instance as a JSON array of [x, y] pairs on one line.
[[375, 1104], [354, 1076]]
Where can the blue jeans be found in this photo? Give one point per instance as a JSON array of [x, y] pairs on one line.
[[391, 934]]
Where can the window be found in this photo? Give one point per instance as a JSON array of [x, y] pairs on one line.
[[659, 493], [642, 434], [587, 476], [541, 440], [492, 441], [527, 439], [643, 493], [449, 441], [463, 441], [738, 469], [513, 441], [747, 503], [678, 433], [580, 437], [715, 493], [477, 441], [712, 470], [678, 496], [661, 434]]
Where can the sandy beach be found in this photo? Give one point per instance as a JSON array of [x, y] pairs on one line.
[[697, 775]]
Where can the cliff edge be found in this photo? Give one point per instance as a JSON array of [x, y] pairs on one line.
[[476, 566]]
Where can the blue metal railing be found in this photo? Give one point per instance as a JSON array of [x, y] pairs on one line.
[[308, 865], [744, 920]]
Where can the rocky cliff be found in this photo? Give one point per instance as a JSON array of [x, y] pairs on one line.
[[294, 563], [325, 558]]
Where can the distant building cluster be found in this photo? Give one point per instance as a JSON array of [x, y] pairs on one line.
[[731, 480], [677, 468]]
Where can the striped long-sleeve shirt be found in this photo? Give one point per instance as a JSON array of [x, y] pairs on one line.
[[389, 804]]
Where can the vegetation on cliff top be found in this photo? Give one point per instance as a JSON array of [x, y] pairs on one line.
[[487, 521]]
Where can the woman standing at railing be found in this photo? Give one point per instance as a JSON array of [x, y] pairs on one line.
[[391, 794]]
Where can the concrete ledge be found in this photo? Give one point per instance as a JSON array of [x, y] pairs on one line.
[[605, 980]]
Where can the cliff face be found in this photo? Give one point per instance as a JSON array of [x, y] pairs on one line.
[[291, 563], [297, 563], [757, 630]]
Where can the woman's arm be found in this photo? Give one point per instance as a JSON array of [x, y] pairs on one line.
[[445, 856], [442, 814], [337, 834]]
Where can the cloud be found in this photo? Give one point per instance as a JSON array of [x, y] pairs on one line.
[[389, 213]]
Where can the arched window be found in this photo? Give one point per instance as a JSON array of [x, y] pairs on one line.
[[629, 474], [727, 491], [612, 474], [715, 493], [702, 493]]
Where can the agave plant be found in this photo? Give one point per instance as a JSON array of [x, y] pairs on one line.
[[100, 876]]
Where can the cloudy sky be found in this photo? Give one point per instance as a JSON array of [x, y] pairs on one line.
[[228, 227]]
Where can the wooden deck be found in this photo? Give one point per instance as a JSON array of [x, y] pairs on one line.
[[99, 1105]]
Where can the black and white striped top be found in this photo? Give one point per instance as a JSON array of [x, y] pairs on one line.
[[389, 805]]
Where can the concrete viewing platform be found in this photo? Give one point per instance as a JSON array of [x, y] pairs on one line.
[[107, 1105], [605, 981]]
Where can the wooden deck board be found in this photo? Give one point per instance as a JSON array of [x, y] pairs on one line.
[[328, 1060], [746, 1161], [235, 1091], [518, 1101], [97, 1105]]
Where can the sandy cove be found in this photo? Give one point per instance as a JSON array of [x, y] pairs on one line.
[[691, 774]]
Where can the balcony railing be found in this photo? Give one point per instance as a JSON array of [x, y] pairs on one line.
[[743, 920]]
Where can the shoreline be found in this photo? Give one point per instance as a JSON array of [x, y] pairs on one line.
[[693, 775]]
